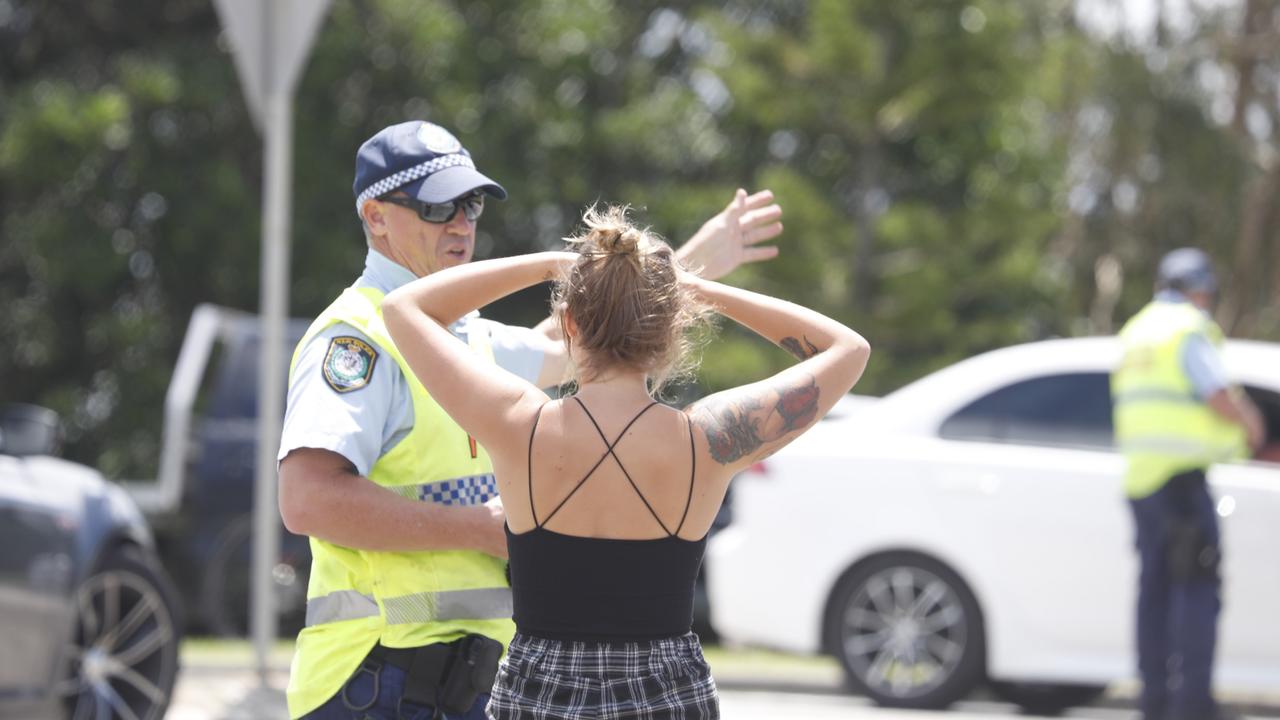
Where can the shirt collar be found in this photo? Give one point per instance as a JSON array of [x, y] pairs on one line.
[[383, 273], [1171, 296]]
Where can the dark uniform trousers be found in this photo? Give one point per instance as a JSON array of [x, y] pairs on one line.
[[374, 692], [1177, 616]]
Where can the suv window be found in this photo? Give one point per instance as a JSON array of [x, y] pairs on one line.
[[1072, 410]]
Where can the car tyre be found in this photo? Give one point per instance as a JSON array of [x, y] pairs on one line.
[[907, 632], [1045, 699], [123, 658], [227, 584]]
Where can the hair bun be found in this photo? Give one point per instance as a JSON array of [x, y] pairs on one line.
[[610, 233], [618, 240]]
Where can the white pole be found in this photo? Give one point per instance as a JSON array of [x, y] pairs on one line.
[[274, 303]]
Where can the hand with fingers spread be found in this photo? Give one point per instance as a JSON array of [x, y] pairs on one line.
[[732, 236]]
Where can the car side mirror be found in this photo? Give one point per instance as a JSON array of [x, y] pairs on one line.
[[28, 430]]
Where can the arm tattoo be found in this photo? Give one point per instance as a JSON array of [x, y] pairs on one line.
[[740, 424], [793, 346], [732, 428]]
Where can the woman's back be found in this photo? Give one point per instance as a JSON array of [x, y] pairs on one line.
[[604, 554], [647, 488]]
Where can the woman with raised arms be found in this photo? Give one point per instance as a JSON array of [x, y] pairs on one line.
[[609, 495]]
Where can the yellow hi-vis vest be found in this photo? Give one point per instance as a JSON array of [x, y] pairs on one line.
[[1161, 426], [357, 598]]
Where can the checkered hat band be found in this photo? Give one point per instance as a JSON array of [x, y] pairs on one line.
[[391, 182]]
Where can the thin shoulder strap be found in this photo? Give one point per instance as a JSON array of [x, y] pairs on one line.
[[607, 453], [693, 469], [618, 460], [536, 418]]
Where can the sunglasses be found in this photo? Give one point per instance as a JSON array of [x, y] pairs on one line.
[[438, 213]]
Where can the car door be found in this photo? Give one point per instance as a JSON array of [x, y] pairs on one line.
[[1051, 542], [36, 574], [1247, 494]]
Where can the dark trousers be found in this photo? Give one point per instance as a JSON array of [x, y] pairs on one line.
[[374, 692], [1177, 617]]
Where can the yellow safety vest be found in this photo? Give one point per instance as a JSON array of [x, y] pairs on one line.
[[1161, 426], [357, 598]]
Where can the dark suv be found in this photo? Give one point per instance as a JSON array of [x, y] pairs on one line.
[[88, 626]]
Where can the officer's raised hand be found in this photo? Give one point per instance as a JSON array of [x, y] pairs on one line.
[[733, 236]]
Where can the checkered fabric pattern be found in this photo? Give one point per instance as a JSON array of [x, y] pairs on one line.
[[543, 679], [471, 490], [391, 182]]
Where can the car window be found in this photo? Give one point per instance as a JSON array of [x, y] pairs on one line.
[[1071, 410], [1268, 402]]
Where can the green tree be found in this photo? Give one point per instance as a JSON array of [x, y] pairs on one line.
[[915, 140], [1176, 141], [956, 175]]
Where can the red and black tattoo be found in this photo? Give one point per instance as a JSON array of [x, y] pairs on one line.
[[738, 425]]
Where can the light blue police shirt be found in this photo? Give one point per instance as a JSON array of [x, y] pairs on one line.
[[1200, 359], [362, 425]]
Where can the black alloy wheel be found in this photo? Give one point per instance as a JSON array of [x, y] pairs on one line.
[[123, 659], [907, 632]]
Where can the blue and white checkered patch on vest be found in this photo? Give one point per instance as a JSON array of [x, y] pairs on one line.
[[470, 490]]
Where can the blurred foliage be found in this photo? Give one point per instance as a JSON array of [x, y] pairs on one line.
[[956, 175]]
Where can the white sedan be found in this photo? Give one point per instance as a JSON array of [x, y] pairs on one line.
[[972, 526]]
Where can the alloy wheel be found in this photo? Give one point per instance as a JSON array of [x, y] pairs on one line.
[[123, 657], [903, 632]]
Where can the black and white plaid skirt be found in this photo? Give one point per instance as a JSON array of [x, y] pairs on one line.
[[543, 679]]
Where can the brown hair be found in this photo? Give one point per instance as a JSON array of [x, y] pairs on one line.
[[626, 300]]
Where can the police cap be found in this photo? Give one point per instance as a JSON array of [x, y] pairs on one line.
[[1187, 270], [421, 159]]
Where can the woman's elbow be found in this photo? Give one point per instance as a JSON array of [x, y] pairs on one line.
[[859, 352], [864, 349], [856, 346], [392, 308]]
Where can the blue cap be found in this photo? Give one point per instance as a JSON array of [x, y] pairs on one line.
[[1188, 270], [423, 160]]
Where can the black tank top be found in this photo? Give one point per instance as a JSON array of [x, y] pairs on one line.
[[567, 587]]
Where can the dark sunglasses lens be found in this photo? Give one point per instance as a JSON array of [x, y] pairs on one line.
[[441, 213], [444, 212], [473, 206]]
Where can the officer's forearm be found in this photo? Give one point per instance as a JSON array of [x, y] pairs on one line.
[[346, 509], [1234, 406]]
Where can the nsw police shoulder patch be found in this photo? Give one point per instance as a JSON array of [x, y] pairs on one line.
[[349, 363]]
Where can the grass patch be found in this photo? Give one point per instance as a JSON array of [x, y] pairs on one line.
[[230, 651], [767, 664], [724, 661]]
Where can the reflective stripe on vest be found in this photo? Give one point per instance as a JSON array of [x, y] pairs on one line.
[[478, 603], [1157, 395]]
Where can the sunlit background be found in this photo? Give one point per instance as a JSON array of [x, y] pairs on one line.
[[956, 175]]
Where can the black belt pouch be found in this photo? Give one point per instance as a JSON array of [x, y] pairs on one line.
[[452, 683]]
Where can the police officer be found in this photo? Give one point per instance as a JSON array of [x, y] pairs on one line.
[[408, 607], [1176, 414]]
